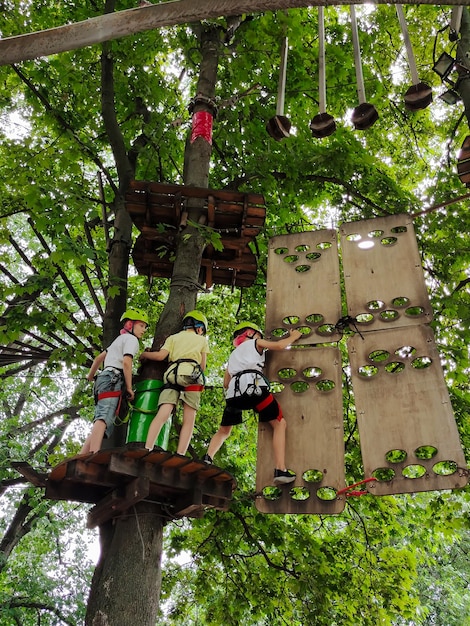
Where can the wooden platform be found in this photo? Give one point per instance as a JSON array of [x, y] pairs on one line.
[[230, 266], [116, 479], [159, 211]]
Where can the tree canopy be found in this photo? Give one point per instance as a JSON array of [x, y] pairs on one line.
[[75, 129]]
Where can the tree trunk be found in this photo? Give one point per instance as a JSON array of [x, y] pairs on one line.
[[463, 52], [126, 584], [125, 589]]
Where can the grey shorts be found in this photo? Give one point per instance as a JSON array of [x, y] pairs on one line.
[[105, 409]]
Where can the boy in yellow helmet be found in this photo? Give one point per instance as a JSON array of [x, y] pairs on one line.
[[184, 379], [247, 388], [115, 377]]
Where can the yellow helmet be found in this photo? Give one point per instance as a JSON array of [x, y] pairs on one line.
[[239, 328], [135, 315], [193, 319]]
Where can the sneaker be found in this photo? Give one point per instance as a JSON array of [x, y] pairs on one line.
[[283, 476], [207, 459]]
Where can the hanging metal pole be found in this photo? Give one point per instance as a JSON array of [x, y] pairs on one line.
[[365, 114], [419, 95], [279, 125], [357, 57], [321, 60], [409, 50], [281, 89], [323, 124]]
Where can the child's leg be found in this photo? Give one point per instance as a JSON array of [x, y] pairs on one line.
[[232, 416], [279, 442], [218, 439], [95, 438], [164, 412], [189, 417]]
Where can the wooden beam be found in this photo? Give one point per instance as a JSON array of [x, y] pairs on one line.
[[36, 478], [115, 25], [118, 501]]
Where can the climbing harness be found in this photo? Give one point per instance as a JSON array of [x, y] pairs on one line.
[[255, 388], [196, 375], [113, 389]]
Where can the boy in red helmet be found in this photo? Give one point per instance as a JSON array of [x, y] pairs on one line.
[[115, 378], [247, 388]]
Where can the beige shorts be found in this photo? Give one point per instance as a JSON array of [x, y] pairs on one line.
[[172, 396]]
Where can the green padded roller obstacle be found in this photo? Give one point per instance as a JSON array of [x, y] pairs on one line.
[[143, 410]]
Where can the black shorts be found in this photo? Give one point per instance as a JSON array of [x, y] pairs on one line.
[[265, 405]]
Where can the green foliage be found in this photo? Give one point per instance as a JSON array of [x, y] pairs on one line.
[[397, 560]]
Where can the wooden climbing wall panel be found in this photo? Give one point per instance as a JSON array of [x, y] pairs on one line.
[[409, 438], [408, 435], [311, 401], [303, 286], [383, 275]]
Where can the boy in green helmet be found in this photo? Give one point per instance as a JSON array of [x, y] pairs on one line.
[[115, 378], [247, 388], [184, 379]]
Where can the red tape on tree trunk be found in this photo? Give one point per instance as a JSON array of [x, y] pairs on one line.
[[202, 126]]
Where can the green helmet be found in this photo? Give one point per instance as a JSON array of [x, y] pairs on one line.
[[195, 318], [136, 315], [244, 325]]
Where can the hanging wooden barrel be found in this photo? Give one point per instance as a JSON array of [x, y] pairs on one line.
[[279, 127], [418, 97], [364, 116], [322, 125], [463, 162]]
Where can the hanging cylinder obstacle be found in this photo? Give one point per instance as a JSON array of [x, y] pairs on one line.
[[143, 410], [455, 23], [365, 114], [463, 162], [323, 124], [279, 126], [419, 95]]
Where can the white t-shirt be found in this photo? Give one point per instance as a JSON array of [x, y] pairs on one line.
[[122, 345], [244, 357]]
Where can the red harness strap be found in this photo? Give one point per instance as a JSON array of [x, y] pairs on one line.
[[112, 394], [266, 402], [194, 388], [109, 394]]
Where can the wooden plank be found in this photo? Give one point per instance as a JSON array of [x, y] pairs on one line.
[[89, 473], [209, 479], [402, 404], [118, 501], [304, 283], [115, 25], [167, 189], [384, 282], [76, 492], [58, 472], [314, 439], [160, 475], [195, 503]]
